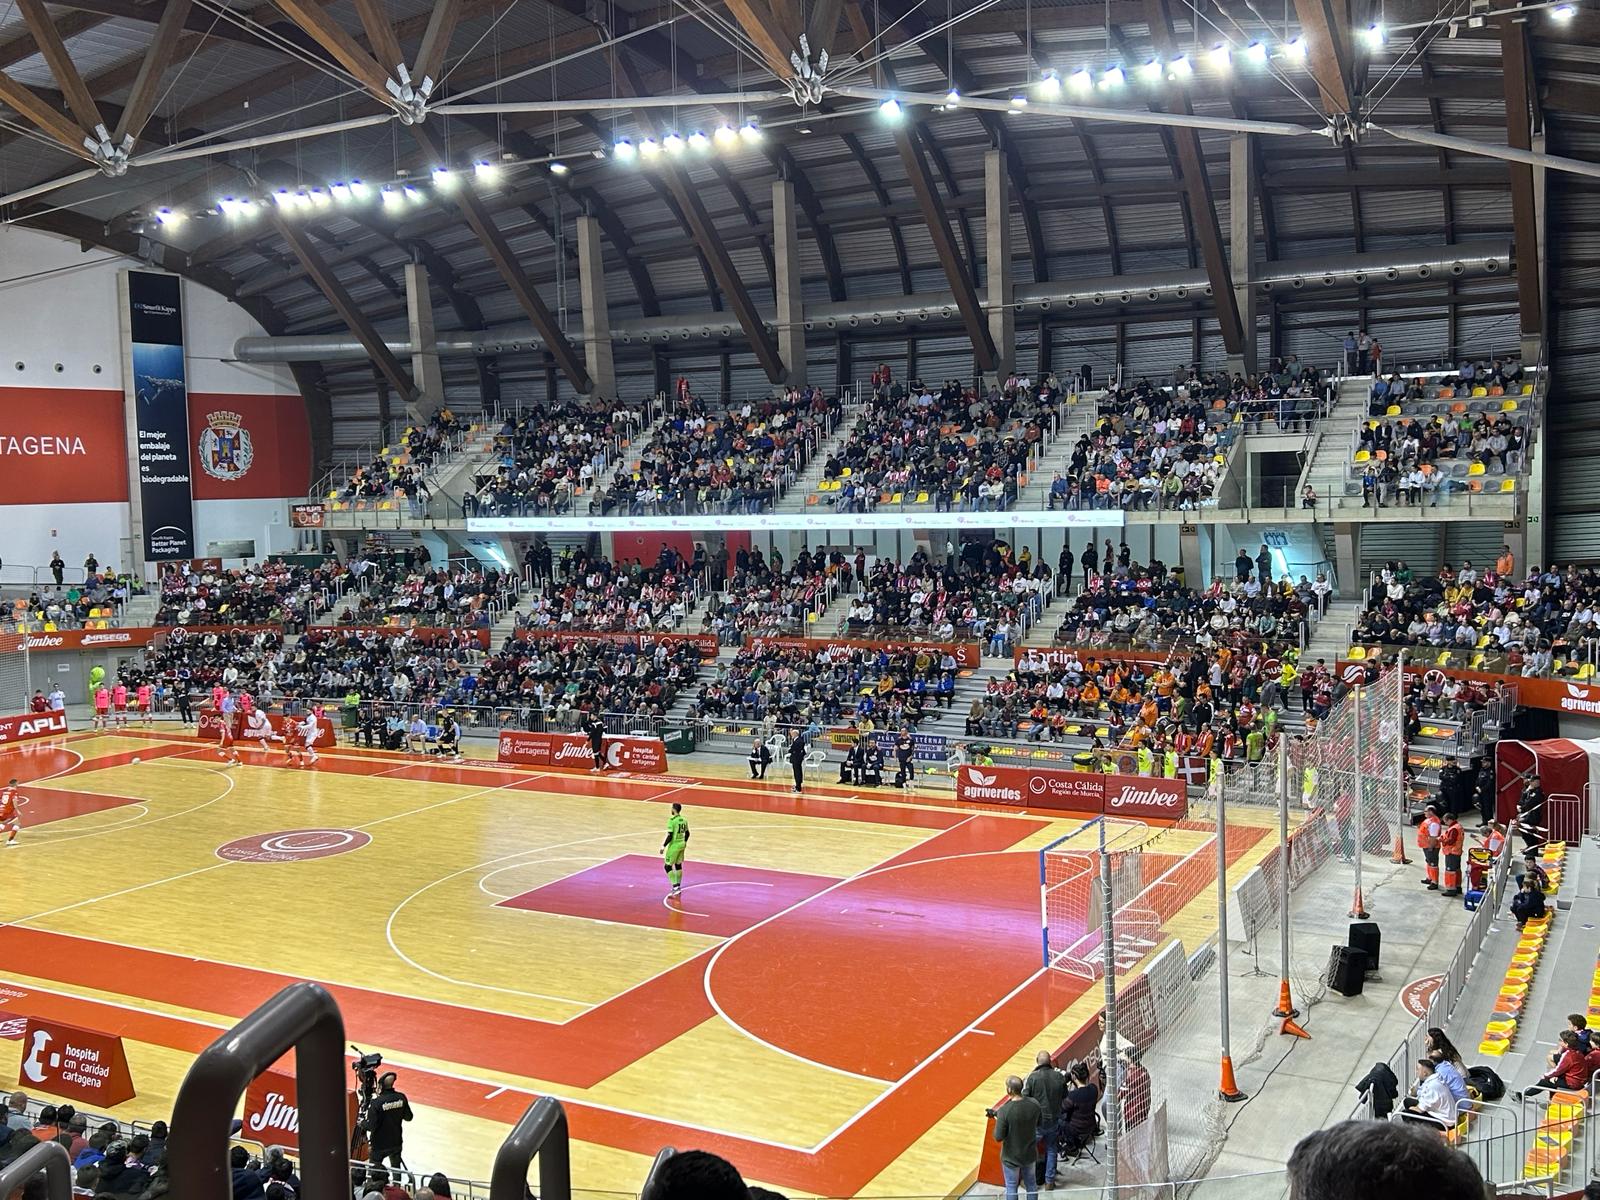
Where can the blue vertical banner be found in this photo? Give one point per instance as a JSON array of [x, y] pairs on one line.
[[161, 418]]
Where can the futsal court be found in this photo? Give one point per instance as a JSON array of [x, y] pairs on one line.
[[832, 1002]]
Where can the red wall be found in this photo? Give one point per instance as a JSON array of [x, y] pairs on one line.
[[279, 439], [83, 430]]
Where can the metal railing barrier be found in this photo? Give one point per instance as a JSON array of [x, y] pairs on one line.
[[541, 1133], [48, 1157]]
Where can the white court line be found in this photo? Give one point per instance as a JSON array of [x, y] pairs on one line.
[[667, 904], [43, 838], [596, 859]]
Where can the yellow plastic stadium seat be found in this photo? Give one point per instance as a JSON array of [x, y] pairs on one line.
[[1508, 406], [1508, 485], [1527, 389], [1479, 393], [50, 627], [1392, 411], [1357, 653], [1444, 659], [897, 498], [922, 497], [1363, 456], [1476, 468], [844, 473]]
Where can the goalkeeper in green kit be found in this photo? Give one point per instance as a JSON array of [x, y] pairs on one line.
[[672, 848]]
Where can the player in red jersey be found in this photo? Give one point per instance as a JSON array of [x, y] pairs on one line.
[[299, 739], [119, 703], [102, 707], [9, 821], [146, 698]]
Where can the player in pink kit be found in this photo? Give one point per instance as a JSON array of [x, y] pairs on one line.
[[102, 707], [119, 703], [146, 697], [226, 713], [9, 821]]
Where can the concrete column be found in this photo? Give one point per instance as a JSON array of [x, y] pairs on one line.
[[1242, 238], [1347, 559], [425, 372], [1533, 505], [997, 260], [786, 269], [596, 316]]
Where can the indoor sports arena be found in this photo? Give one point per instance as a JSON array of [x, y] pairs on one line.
[[801, 599]]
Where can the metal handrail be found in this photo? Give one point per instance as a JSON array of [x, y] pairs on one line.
[[48, 1157], [541, 1133], [303, 1017], [662, 1155]]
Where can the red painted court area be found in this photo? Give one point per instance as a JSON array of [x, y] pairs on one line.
[[631, 890], [922, 972]]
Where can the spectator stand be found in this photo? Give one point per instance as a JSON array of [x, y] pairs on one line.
[[463, 592], [548, 462], [743, 459], [393, 473], [942, 450], [1431, 436], [97, 603], [274, 591], [765, 598], [596, 595]]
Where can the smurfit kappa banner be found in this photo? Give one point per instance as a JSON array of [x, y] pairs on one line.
[[160, 424]]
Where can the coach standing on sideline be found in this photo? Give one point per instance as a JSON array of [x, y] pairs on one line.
[[797, 758], [597, 741]]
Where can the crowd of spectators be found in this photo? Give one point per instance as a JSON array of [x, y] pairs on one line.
[[95, 603], [963, 450], [462, 593], [271, 592], [555, 680], [401, 470], [597, 594], [1163, 447], [1528, 625], [740, 461], [1124, 604], [548, 458], [983, 593], [767, 597], [804, 688]]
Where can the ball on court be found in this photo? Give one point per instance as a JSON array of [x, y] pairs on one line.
[[135, 758]]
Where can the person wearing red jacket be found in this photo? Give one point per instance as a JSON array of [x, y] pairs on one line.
[[1571, 1071], [1452, 838]]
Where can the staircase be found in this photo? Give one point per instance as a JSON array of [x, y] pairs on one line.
[[1330, 637], [794, 499], [140, 610], [1077, 419], [476, 455], [1330, 465]]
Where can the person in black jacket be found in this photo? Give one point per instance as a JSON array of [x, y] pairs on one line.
[[797, 758], [904, 752], [760, 759], [596, 729], [249, 1176], [1380, 1083], [385, 1117]]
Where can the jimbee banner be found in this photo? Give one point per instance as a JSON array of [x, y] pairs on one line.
[[158, 414]]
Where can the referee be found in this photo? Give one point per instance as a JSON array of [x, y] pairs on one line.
[[597, 741]]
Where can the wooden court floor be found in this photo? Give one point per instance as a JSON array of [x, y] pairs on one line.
[[831, 1003]]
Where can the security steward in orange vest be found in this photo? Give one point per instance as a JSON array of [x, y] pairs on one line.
[[1428, 831], [1452, 838]]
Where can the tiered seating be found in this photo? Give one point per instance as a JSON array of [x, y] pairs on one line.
[[947, 447], [465, 594], [550, 460], [270, 592], [397, 473], [69, 608], [603, 597], [1487, 621], [1502, 1027], [740, 461]]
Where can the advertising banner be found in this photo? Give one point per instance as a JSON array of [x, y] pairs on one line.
[[644, 755], [62, 446], [1533, 691], [160, 396], [966, 654], [306, 516], [272, 1110], [1042, 657], [706, 643], [1135, 797], [925, 747], [75, 1064], [32, 726]]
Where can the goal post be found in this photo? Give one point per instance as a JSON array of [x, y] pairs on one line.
[[1071, 905]]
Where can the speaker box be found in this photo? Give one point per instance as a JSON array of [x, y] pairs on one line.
[[1365, 936], [1347, 970]]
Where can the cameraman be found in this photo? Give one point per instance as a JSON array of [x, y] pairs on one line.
[[385, 1114]]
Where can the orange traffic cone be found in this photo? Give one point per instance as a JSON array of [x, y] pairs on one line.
[[1229, 1090], [1292, 1028], [1286, 1006], [1358, 907], [1399, 855]]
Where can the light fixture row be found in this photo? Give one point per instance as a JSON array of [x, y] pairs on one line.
[[675, 145], [394, 196]]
